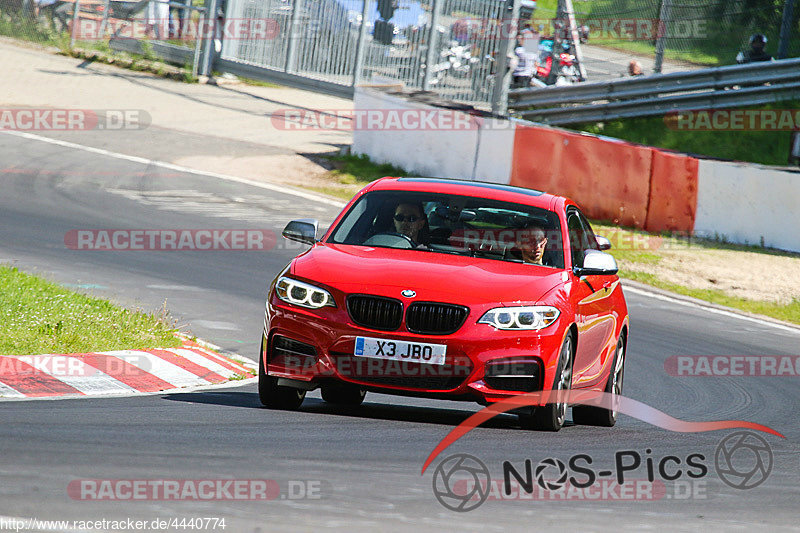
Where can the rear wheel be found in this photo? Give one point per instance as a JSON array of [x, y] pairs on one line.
[[551, 417], [597, 416], [270, 393], [343, 394]]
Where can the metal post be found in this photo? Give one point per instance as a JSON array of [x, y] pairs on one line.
[[786, 29], [569, 12], [294, 36], [198, 41], [502, 78], [104, 23], [362, 42], [665, 17], [75, 12], [433, 45], [209, 37], [185, 18]]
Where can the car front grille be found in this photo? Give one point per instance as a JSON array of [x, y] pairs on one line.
[[430, 318], [375, 312]]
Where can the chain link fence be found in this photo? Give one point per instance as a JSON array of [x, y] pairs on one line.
[[706, 32]]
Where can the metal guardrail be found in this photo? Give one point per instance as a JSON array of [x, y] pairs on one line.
[[734, 85]]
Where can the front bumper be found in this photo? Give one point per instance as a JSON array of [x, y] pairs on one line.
[[482, 364]]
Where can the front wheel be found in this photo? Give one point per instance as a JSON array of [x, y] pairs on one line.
[[597, 416], [551, 417], [270, 393]]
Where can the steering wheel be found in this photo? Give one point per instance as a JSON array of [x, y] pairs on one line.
[[391, 240]]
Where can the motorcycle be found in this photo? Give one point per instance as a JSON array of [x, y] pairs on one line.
[[564, 73]]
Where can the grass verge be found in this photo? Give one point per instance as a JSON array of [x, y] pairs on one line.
[[38, 316], [764, 147], [350, 173], [644, 249]]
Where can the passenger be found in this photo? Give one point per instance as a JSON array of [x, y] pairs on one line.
[[531, 243], [410, 220]]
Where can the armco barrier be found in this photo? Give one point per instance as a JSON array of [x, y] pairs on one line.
[[608, 178], [673, 192]]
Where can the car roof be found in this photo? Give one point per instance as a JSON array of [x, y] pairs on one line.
[[479, 189]]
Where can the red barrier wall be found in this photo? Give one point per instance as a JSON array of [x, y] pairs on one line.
[[608, 179], [673, 192], [628, 184]]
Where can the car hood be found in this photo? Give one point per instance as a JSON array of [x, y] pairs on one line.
[[433, 276]]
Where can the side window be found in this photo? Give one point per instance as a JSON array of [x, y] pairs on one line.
[[591, 240], [576, 238]]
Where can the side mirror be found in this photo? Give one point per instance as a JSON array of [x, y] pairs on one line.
[[597, 264], [303, 230], [602, 242]]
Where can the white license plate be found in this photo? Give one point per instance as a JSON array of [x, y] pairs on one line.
[[415, 352]]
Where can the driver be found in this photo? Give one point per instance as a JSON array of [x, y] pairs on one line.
[[531, 243], [410, 220]]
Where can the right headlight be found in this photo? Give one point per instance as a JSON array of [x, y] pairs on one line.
[[531, 317], [303, 294]]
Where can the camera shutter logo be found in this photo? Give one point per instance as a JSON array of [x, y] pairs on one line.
[[552, 483], [461, 468], [743, 460]]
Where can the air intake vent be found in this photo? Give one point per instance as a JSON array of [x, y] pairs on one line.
[[375, 312], [429, 318]]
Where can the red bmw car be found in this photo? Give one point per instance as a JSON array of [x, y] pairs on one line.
[[448, 289]]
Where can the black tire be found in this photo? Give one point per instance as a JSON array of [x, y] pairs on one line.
[[343, 394], [551, 417], [597, 416], [270, 393]]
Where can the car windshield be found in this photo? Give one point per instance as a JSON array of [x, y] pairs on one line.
[[452, 224]]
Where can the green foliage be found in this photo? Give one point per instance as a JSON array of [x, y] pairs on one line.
[[765, 147], [37, 317]]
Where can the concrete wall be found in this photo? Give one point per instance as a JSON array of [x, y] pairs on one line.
[[749, 203], [482, 151]]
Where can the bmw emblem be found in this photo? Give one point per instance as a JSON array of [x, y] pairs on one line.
[[408, 293]]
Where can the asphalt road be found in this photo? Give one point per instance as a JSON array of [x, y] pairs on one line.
[[366, 462]]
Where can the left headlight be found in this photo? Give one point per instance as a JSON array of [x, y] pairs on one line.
[[518, 318], [303, 294]]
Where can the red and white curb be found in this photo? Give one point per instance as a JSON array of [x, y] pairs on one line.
[[119, 373]]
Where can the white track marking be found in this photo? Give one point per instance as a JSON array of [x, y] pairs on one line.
[[229, 361], [177, 168], [174, 375], [205, 362], [8, 392], [714, 310]]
